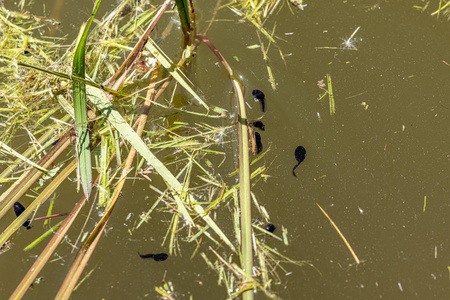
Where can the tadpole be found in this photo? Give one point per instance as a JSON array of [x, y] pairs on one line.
[[259, 145], [18, 210], [300, 154], [259, 96], [270, 228], [259, 125], [156, 257]]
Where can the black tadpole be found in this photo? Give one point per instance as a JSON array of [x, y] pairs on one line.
[[259, 96], [270, 228], [156, 257], [300, 154], [259, 145], [18, 210], [259, 125]]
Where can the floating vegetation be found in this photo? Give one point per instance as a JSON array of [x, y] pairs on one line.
[[126, 131], [331, 96], [257, 13], [298, 3], [442, 8], [347, 43], [350, 43], [328, 90]]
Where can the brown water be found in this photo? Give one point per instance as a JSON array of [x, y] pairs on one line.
[[370, 169]]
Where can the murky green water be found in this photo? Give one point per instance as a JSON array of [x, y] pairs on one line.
[[369, 166]]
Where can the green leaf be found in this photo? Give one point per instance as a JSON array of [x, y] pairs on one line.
[[79, 103], [43, 236]]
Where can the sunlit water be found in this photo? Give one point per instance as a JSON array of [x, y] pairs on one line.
[[369, 166]]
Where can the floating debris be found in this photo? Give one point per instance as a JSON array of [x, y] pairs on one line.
[[5, 247], [331, 96], [298, 3], [349, 44]]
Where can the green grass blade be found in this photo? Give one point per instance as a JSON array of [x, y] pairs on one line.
[[43, 236], [79, 103]]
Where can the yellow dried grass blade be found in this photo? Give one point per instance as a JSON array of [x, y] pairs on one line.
[[331, 96], [341, 235], [11, 151], [177, 74]]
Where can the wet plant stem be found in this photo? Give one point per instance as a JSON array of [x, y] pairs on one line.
[[244, 173], [244, 192], [185, 20]]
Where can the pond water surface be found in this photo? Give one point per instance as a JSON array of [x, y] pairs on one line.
[[370, 165]]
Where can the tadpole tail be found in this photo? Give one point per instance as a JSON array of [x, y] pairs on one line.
[[294, 169], [262, 105], [145, 255]]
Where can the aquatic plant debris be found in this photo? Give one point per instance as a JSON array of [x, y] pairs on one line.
[[349, 44], [340, 234], [185, 145], [298, 3], [331, 96]]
